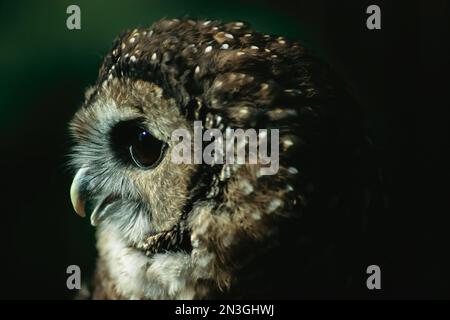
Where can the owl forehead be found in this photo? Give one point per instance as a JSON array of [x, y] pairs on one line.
[[207, 70], [123, 100], [146, 52], [183, 56]]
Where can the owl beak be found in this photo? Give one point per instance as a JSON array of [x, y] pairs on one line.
[[78, 201]]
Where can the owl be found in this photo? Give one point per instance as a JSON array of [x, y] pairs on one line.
[[169, 230]]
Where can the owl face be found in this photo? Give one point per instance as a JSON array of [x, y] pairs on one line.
[[124, 177]]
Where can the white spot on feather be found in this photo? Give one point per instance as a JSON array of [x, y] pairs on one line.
[[274, 205], [256, 215], [287, 142], [293, 170], [246, 187]]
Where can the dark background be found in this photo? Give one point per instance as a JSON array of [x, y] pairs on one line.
[[397, 74]]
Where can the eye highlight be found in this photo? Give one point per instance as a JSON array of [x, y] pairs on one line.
[[136, 145]]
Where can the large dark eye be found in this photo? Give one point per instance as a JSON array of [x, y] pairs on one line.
[[146, 150], [132, 142]]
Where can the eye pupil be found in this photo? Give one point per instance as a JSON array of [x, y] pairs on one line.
[[133, 143]]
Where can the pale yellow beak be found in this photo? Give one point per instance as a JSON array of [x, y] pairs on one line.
[[78, 202]]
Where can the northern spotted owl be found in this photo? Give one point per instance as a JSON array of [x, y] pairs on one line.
[[200, 231]]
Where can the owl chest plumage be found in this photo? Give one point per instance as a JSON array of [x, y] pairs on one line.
[[127, 273]]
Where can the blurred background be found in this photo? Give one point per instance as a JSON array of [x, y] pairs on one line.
[[45, 68]]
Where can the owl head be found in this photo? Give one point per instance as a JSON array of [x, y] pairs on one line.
[[197, 230]]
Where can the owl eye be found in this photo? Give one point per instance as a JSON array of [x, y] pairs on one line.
[[133, 144], [145, 150]]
